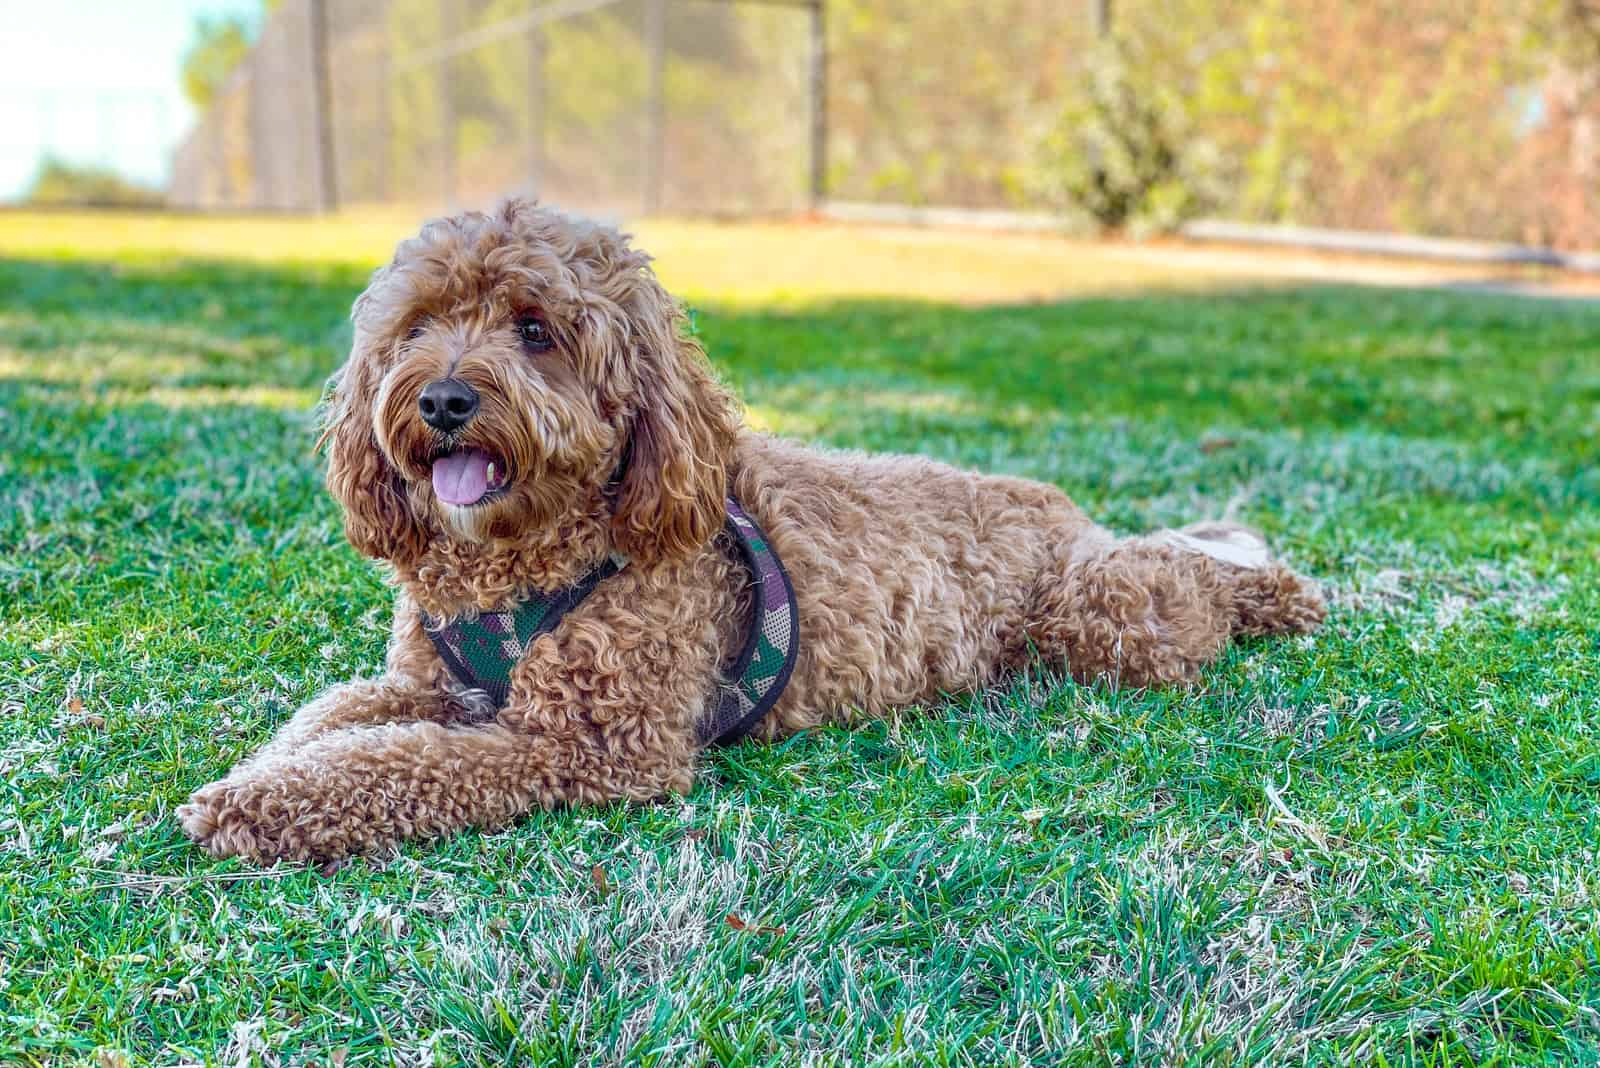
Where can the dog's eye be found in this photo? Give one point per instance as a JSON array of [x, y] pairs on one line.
[[415, 331], [535, 337]]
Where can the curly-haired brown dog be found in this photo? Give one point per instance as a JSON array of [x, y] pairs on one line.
[[913, 579]]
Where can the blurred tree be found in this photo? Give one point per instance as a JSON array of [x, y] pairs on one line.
[[1137, 143], [937, 101], [60, 182], [1387, 114], [1562, 146], [1384, 115], [220, 45]]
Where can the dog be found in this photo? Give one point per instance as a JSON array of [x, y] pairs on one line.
[[523, 410]]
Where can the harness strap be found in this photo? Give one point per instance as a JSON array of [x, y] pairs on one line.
[[762, 671], [482, 650]]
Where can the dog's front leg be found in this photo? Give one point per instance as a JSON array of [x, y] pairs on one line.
[[591, 719], [360, 702], [363, 789], [410, 690]]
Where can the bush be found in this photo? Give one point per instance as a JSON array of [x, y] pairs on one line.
[[59, 182], [1127, 150]]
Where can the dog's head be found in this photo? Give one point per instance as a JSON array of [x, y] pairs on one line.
[[513, 369]]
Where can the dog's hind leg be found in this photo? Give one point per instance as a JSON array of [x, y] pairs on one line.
[[1265, 597], [1151, 611], [1132, 613]]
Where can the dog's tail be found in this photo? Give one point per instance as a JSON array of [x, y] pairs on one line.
[[1265, 596]]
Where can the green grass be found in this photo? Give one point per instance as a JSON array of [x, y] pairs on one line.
[[1375, 845]]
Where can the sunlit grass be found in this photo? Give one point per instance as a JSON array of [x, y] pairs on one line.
[[743, 263], [753, 264], [134, 236]]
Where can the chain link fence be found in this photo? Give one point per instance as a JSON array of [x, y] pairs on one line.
[[612, 106], [1467, 118]]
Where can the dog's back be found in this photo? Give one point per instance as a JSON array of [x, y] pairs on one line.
[[913, 578]]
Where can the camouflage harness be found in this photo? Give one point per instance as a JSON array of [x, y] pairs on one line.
[[481, 651]]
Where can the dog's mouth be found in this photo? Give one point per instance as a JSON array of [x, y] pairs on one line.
[[465, 477]]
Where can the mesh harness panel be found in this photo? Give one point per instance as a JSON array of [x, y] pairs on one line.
[[482, 650]]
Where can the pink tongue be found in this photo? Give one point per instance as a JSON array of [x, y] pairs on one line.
[[462, 477]]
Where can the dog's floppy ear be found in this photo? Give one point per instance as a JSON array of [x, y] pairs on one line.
[[670, 502], [377, 515]]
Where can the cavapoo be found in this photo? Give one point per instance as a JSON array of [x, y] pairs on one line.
[[599, 571]]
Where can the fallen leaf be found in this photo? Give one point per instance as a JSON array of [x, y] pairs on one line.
[[184, 991], [1211, 445], [75, 706], [738, 924], [602, 885], [338, 1056]]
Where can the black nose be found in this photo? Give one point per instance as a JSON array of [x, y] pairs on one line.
[[447, 403]]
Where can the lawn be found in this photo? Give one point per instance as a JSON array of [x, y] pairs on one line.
[[1374, 845]]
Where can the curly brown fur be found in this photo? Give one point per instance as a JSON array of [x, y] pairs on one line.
[[913, 579]]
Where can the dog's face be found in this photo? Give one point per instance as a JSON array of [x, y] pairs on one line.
[[511, 370]]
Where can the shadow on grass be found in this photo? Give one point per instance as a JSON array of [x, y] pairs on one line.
[[1411, 363]]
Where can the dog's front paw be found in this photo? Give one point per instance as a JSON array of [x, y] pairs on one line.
[[219, 825]]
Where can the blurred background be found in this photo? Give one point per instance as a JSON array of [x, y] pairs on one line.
[[1448, 118]]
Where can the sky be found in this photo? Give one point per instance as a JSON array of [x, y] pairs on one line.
[[95, 81]]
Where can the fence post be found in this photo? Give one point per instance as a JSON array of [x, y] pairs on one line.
[[656, 134], [260, 194], [1102, 17], [327, 167], [819, 104], [382, 158], [449, 137], [536, 109], [220, 191]]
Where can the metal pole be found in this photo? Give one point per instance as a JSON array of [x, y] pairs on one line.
[[217, 195], [536, 107], [260, 193], [448, 137], [1102, 17], [819, 104], [327, 168], [384, 133], [656, 134]]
